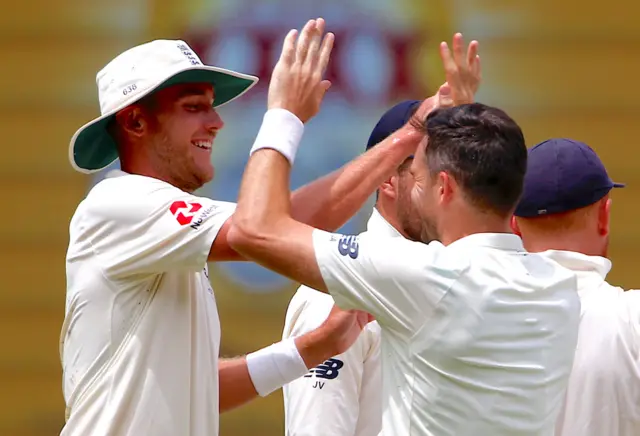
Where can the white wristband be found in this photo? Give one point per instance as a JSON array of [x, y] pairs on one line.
[[274, 366], [281, 131]]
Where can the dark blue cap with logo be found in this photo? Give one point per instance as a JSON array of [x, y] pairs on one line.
[[392, 120], [562, 175]]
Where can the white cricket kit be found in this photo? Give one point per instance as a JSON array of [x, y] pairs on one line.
[[603, 397], [478, 337], [141, 335], [343, 396]]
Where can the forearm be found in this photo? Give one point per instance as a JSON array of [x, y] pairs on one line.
[[315, 347], [244, 378], [330, 201], [263, 229], [264, 204], [326, 203], [236, 387]]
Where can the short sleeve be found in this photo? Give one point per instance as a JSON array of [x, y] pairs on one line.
[[398, 281], [150, 227]]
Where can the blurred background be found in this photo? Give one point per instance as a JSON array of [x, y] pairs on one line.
[[559, 68]]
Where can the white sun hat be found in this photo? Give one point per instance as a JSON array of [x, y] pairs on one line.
[[136, 73]]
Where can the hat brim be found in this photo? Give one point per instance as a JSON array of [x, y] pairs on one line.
[[619, 185], [92, 148]]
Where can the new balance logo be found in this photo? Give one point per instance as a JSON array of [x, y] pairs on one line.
[[348, 246], [327, 370]]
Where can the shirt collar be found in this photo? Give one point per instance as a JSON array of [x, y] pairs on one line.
[[115, 173], [380, 226], [500, 241], [581, 263]]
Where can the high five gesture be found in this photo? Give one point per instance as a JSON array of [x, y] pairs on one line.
[[297, 83]]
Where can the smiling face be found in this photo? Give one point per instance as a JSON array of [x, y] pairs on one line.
[[178, 134]]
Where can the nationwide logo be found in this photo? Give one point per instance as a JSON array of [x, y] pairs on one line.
[[185, 213]]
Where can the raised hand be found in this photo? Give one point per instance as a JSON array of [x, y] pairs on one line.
[[462, 71], [443, 97], [297, 83]]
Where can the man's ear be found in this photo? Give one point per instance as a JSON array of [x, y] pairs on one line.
[[132, 120], [514, 226], [604, 216], [389, 188], [447, 187]]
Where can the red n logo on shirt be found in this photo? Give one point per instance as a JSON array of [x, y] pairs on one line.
[[184, 211]]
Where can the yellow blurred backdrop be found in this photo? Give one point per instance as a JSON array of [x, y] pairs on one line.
[[558, 68]]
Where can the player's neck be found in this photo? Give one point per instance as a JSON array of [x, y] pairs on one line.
[[142, 164], [466, 224], [144, 168], [134, 160], [141, 168], [387, 210]]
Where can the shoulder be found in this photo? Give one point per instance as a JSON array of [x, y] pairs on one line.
[[133, 198], [129, 186], [130, 195], [632, 296], [631, 300], [548, 281], [388, 252], [534, 269], [545, 263], [433, 261], [307, 310], [311, 301]]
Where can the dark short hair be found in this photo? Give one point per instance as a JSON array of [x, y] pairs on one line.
[[483, 149]]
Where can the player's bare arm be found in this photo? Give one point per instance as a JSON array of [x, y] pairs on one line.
[[330, 201], [263, 227], [241, 382], [327, 203]]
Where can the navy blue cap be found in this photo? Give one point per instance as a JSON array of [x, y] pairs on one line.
[[392, 120], [562, 175]]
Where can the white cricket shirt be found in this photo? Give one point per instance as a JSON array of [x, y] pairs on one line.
[[478, 337], [140, 339], [603, 397], [343, 396]]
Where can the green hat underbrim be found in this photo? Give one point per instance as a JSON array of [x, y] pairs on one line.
[[92, 148]]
